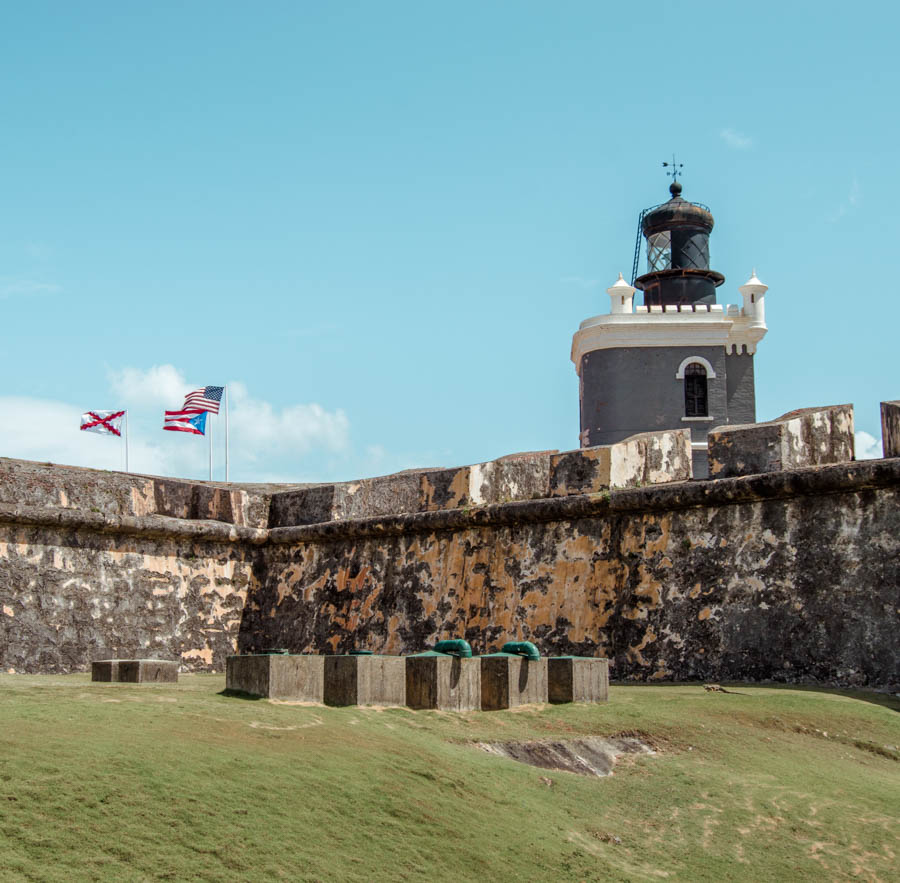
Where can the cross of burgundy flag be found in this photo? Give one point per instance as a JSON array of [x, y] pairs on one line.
[[104, 422], [189, 420], [207, 398]]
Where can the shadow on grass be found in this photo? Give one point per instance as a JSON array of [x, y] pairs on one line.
[[239, 694], [885, 700]]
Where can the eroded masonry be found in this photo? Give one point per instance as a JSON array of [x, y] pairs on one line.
[[784, 567]]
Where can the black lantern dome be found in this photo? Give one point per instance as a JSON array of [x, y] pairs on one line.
[[677, 236]]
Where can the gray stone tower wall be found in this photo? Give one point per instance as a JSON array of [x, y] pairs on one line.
[[630, 390], [741, 389]]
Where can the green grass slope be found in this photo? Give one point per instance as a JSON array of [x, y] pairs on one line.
[[119, 782]]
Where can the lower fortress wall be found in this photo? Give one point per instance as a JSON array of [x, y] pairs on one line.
[[790, 576], [80, 586]]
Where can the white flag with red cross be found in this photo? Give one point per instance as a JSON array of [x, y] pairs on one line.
[[104, 422]]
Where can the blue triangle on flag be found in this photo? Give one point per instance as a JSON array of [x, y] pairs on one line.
[[198, 421]]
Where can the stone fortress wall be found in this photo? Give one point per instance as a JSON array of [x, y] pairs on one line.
[[785, 567]]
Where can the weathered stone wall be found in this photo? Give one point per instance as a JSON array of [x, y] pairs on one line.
[[77, 586], [52, 486], [788, 576], [648, 458]]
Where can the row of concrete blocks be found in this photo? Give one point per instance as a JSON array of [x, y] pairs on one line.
[[135, 671], [429, 680]]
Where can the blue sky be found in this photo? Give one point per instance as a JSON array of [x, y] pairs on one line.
[[380, 223]]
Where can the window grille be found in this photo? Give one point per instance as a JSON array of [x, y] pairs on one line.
[[696, 400]]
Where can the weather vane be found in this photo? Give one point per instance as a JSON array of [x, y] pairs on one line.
[[675, 166]]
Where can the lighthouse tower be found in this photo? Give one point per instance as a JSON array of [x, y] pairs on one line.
[[680, 360]]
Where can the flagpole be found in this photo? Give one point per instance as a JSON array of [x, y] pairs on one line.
[[126, 440], [209, 433], [226, 433]]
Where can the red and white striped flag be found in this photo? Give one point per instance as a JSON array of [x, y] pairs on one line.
[[207, 398], [192, 420]]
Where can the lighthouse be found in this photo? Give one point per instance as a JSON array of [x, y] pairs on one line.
[[679, 360]]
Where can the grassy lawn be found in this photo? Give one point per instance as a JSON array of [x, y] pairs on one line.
[[119, 782]]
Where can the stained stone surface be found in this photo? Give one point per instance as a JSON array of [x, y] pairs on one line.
[[808, 437], [648, 458]]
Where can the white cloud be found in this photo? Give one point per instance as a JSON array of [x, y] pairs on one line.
[[48, 431], [867, 446], [735, 139], [11, 287], [159, 385], [260, 430]]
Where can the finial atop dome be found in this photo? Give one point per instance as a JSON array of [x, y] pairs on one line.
[[676, 167]]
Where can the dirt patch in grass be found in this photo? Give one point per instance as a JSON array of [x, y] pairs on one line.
[[584, 757]]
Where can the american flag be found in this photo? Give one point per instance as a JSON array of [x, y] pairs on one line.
[[207, 398], [191, 420]]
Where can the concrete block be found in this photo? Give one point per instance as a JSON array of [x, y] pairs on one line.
[[135, 671], [365, 680], [439, 681], [105, 670], [646, 458], [277, 676], [808, 437], [890, 429], [508, 681], [148, 671], [577, 679]]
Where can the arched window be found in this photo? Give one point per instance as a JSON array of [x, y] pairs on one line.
[[696, 401]]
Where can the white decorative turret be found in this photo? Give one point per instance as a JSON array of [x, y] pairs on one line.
[[621, 296], [754, 294]]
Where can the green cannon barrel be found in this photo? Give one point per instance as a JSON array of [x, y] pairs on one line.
[[521, 648], [455, 647]]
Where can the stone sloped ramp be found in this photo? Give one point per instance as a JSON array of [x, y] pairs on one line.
[[585, 757]]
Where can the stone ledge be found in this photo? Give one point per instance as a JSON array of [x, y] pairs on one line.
[[134, 525], [808, 481]]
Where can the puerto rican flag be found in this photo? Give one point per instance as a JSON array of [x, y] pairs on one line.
[[191, 420], [104, 422]]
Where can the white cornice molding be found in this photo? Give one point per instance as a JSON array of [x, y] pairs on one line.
[[730, 330]]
